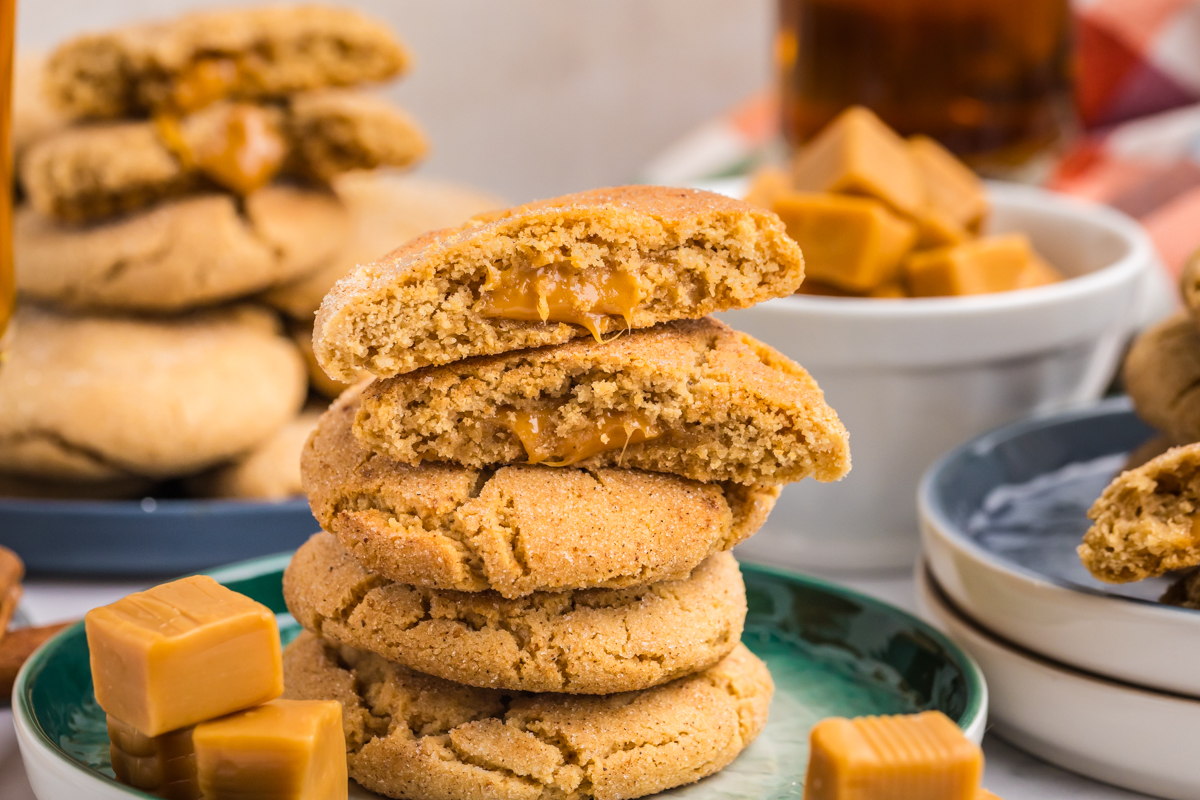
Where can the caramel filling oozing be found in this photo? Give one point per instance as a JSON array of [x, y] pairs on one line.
[[242, 150], [560, 293], [205, 81], [613, 430]]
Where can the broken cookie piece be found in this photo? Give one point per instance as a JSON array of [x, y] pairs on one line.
[[1147, 521], [692, 398], [586, 265], [188, 62], [90, 172]]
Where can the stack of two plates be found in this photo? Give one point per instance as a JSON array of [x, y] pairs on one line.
[[1099, 679]]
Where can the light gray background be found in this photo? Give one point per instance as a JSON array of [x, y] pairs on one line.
[[531, 98]]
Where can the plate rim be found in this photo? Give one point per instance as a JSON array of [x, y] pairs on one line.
[[931, 513], [972, 722]]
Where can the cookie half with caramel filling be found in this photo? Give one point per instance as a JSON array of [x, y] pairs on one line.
[[89, 172], [1147, 521], [518, 529], [592, 264], [693, 398], [185, 63]]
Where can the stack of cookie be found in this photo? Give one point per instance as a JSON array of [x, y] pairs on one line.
[[523, 587], [172, 168]]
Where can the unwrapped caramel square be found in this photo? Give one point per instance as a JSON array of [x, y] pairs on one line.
[[857, 153], [182, 653], [981, 266], [904, 757], [852, 243]]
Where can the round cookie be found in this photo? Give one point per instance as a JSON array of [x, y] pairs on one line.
[[1189, 285], [521, 528], [270, 471], [190, 252], [590, 641], [103, 399], [386, 209], [1162, 375], [415, 737]]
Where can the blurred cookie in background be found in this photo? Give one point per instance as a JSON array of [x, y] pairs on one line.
[[184, 253], [387, 209], [270, 471], [105, 399], [1162, 375]]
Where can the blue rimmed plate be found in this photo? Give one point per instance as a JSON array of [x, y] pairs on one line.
[[830, 650], [148, 537], [1001, 517]]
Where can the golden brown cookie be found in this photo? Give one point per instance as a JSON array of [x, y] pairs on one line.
[[1190, 285], [1144, 524], [694, 398], [415, 737], [271, 471], [246, 54], [32, 116], [184, 253], [387, 210], [518, 529], [1162, 375], [589, 641], [90, 172], [104, 399], [586, 264], [322, 383]]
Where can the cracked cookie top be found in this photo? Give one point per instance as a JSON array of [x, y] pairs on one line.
[[692, 398], [109, 398], [417, 737], [590, 641], [180, 254], [583, 265], [1145, 523], [517, 529]]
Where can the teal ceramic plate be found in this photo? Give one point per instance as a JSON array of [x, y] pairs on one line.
[[831, 651]]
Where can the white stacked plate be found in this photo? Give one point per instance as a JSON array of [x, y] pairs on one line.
[[1100, 679]]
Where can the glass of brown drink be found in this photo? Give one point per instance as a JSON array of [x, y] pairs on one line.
[[987, 78]]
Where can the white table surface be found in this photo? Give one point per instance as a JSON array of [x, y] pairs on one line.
[[1011, 774]]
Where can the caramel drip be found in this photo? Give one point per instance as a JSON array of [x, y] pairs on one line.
[[205, 81], [613, 430], [242, 152], [560, 293]]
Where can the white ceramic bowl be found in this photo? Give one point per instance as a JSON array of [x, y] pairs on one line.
[[1018, 574], [912, 378], [1109, 731]]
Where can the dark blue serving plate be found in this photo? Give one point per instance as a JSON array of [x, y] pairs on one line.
[[149, 537]]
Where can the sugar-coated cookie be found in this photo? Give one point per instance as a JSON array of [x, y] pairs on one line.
[[517, 529], [415, 737], [589, 641], [108, 399]]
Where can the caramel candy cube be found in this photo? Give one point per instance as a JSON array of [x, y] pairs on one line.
[[905, 757], [162, 765], [952, 190], [992, 264], [858, 154], [182, 653], [1037, 273], [283, 750], [852, 243]]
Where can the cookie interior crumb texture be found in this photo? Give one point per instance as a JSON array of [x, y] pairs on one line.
[[1145, 522], [244, 54], [678, 253], [720, 407], [590, 641], [417, 737], [517, 529]]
